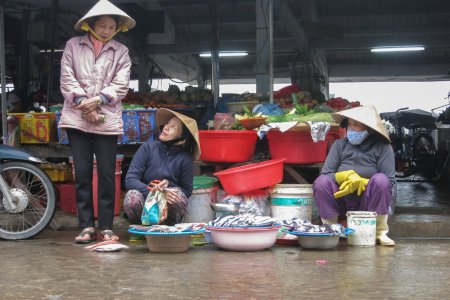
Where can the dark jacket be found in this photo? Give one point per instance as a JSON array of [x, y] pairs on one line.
[[374, 155], [155, 161]]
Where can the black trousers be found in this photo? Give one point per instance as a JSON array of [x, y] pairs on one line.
[[84, 146]]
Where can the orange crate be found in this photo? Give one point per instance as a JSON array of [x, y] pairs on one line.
[[37, 128]]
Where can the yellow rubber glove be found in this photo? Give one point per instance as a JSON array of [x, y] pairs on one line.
[[350, 182]]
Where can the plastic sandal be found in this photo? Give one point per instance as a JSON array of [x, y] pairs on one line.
[[92, 237], [110, 234]]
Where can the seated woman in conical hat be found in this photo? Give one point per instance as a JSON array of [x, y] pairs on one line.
[[162, 164], [359, 171]]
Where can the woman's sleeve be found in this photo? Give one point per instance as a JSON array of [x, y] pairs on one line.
[[118, 88], [70, 87], [386, 163], [332, 161], [136, 171], [187, 177]]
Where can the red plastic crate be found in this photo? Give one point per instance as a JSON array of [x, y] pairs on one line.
[[117, 204], [66, 196], [227, 145], [298, 147]]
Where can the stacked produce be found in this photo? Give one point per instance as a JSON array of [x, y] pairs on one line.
[[303, 107], [341, 103], [173, 98]]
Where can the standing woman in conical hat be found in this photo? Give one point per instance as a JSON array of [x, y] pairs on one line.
[[166, 164], [359, 171], [95, 74]]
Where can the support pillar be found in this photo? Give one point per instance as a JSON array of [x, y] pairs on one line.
[[264, 48]]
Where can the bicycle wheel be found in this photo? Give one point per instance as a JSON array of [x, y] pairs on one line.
[[34, 199]]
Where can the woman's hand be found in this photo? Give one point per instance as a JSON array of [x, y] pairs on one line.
[[88, 105], [92, 116], [171, 197], [160, 185]]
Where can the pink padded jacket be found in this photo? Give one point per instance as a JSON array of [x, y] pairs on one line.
[[83, 75]]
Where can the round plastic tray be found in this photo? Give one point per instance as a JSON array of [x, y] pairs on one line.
[[165, 233]]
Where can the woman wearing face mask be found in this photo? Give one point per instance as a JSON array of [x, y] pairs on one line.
[[95, 74], [168, 162], [359, 172]]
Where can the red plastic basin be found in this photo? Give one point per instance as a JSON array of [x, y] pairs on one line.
[[298, 146], [227, 145], [251, 177]]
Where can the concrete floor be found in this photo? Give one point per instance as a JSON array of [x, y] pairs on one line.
[[51, 266]]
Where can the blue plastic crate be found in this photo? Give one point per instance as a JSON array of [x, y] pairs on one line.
[[62, 133], [139, 126]]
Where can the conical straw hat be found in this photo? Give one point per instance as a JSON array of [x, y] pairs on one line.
[[366, 115], [104, 7], [163, 116]]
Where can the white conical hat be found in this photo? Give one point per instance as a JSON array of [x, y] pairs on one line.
[[366, 115], [104, 7], [163, 116]]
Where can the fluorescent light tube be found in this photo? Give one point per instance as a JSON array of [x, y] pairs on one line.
[[224, 54], [397, 48]]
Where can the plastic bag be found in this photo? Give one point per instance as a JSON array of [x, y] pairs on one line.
[[223, 121], [255, 202], [155, 209]]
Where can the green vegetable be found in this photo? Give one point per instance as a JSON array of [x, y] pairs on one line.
[[274, 118], [291, 118], [318, 117], [301, 109], [247, 110]]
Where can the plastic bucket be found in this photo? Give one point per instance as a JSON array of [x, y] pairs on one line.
[[199, 209], [365, 224], [292, 201], [204, 182]]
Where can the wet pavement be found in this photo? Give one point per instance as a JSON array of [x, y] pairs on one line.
[[51, 266]]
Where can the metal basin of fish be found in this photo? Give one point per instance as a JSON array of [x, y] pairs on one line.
[[323, 241], [244, 239]]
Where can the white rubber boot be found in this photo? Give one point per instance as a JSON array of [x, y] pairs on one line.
[[330, 221], [382, 230]]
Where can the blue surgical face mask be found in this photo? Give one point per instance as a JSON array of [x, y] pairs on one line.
[[356, 137]]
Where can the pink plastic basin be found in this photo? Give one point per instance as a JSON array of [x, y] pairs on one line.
[[244, 239]]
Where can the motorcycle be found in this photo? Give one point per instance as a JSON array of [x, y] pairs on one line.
[[27, 196], [414, 150]]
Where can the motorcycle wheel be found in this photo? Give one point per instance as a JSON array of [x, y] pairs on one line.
[[425, 155], [34, 197]]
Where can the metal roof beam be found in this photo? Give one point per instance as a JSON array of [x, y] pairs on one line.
[[340, 73], [329, 44], [291, 25]]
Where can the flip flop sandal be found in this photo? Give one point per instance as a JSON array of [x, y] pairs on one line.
[[110, 234], [92, 237]]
